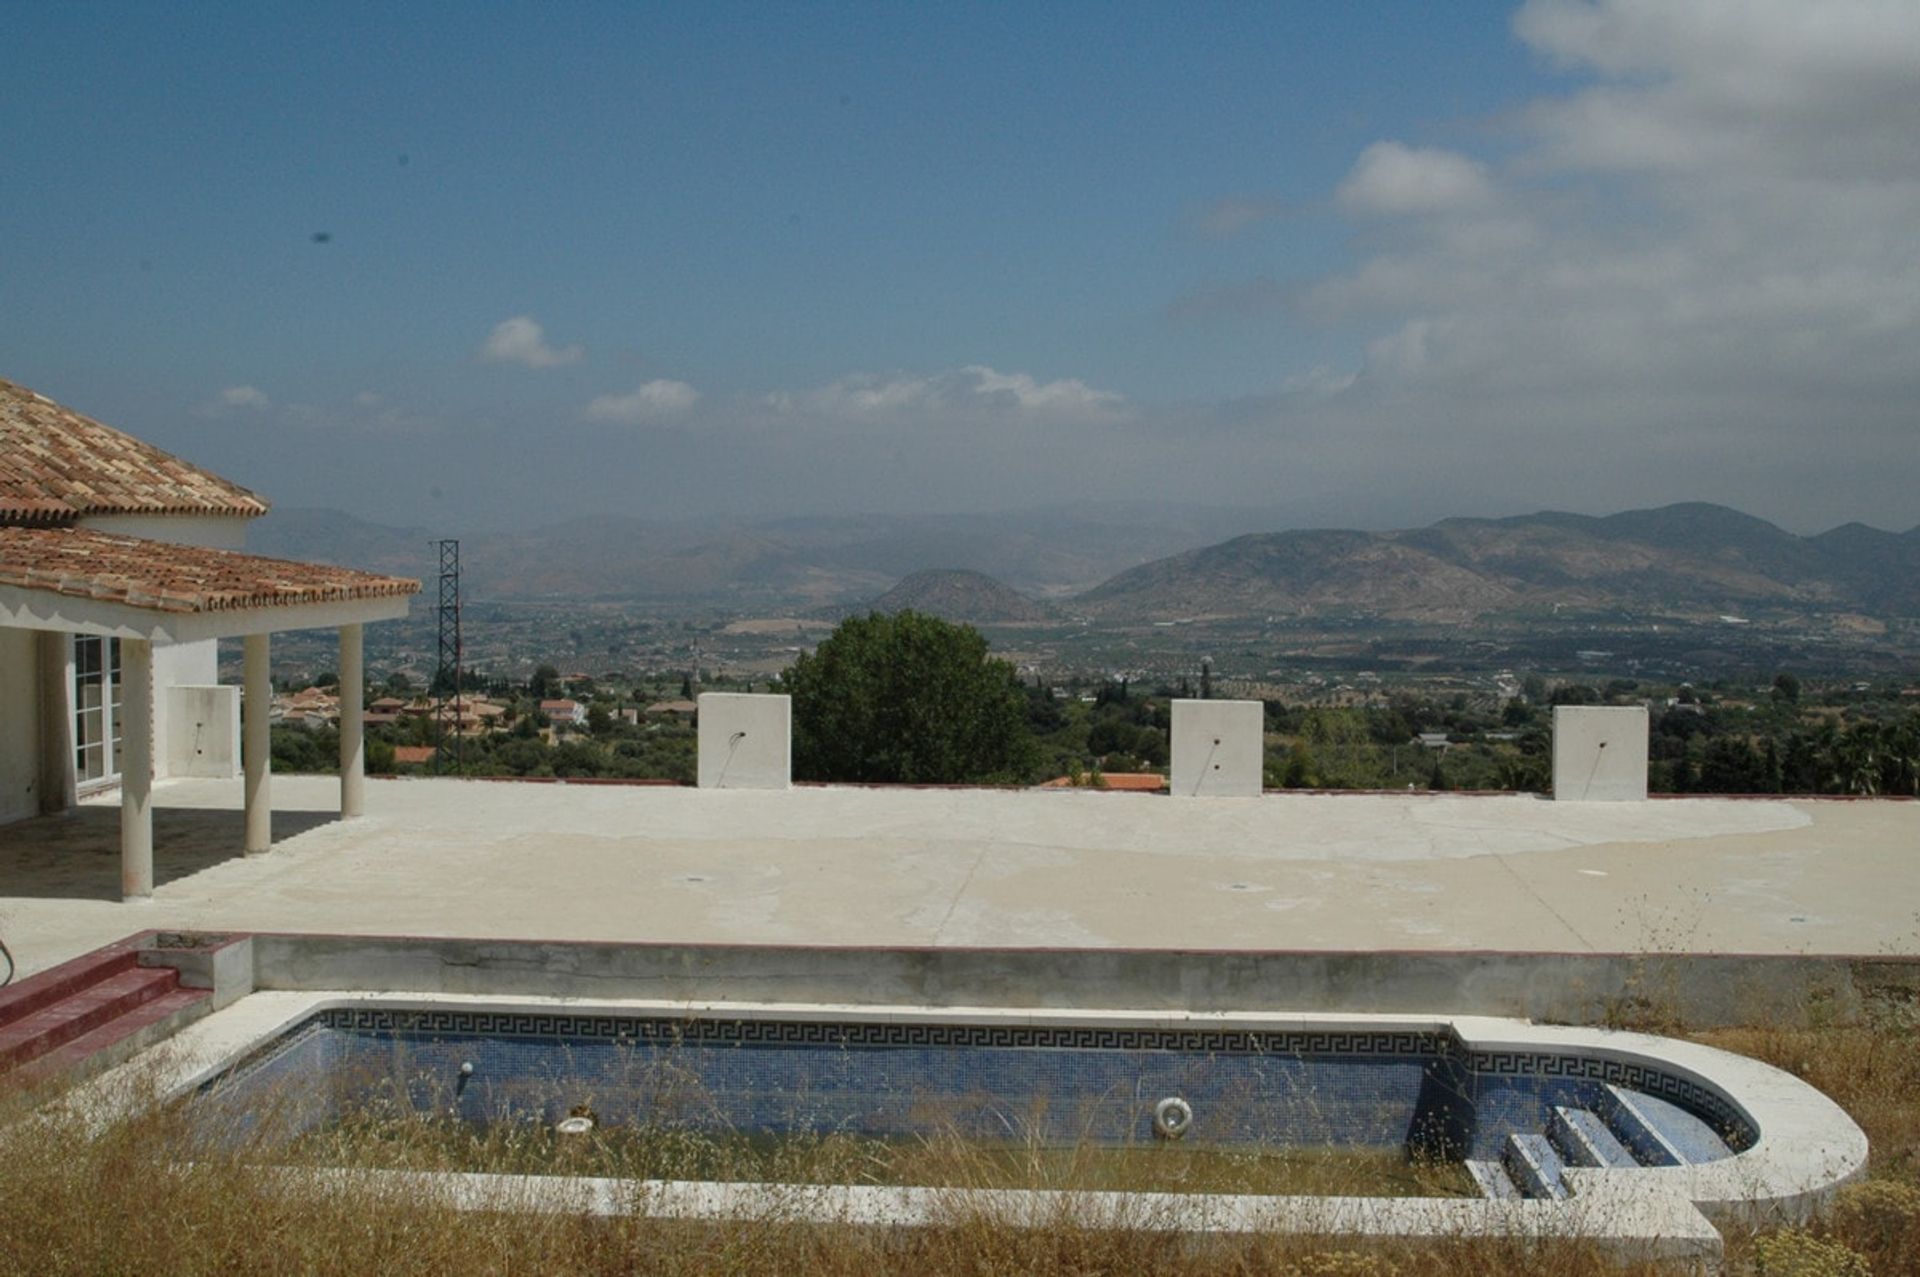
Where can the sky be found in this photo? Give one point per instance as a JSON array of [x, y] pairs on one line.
[[490, 265]]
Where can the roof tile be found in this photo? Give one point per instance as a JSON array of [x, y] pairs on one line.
[[160, 576], [56, 466]]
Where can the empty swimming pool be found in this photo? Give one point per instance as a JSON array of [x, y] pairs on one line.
[[1515, 1115]]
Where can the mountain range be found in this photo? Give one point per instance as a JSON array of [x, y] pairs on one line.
[[1687, 559]]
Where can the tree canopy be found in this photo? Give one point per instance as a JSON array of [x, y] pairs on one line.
[[908, 698]]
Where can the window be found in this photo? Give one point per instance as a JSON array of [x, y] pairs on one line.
[[96, 709]]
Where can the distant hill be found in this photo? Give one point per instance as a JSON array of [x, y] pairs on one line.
[[955, 594], [1692, 558], [1689, 559], [804, 563]]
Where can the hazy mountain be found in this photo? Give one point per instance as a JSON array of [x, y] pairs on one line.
[[332, 536], [958, 595], [811, 562], [1135, 564], [1691, 558]]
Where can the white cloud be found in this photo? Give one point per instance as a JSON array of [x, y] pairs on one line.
[[244, 397], [1392, 179], [1690, 273], [1318, 382], [1225, 218], [521, 340], [974, 389], [651, 401]]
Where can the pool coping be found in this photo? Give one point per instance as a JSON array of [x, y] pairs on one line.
[[1808, 1147]]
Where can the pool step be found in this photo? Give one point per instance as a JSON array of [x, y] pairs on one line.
[[1636, 1131], [1493, 1180], [1582, 1139], [1534, 1166], [91, 1011]]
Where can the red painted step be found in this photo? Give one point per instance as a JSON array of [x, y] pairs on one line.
[[45, 988], [118, 1030], [81, 1012]]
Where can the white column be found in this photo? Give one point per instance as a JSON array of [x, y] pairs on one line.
[[136, 768], [256, 708], [57, 777], [353, 746]]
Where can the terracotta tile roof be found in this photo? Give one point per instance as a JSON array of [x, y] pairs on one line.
[[163, 577], [1143, 782], [56, 465], [414, 753]]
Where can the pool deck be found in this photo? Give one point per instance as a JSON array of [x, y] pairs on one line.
[[960, 868]]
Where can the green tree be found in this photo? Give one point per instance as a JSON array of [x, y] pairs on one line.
[[908, 698]]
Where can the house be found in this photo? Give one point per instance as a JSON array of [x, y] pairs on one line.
[[673, 709], [121, 567], [563, 713]]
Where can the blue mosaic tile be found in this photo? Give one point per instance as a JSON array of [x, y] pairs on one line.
[[1055, 1084]]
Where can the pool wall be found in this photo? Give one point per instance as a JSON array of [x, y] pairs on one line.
[[1701, 990]]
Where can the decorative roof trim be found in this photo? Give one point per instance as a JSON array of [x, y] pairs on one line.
[[160, 576]]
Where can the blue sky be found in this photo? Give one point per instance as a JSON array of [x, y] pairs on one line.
[[1361, 264]]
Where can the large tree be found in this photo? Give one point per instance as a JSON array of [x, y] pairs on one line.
[[908, 698]]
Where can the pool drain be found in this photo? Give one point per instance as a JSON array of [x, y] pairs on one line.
[[1171, 1118], [576, 1125]]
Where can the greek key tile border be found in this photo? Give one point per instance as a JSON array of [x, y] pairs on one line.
[[1404, 1044], [1708, 1104]]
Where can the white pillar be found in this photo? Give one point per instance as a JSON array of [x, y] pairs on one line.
[[256, 708], [353, 747], [136, 768], [56, 771]]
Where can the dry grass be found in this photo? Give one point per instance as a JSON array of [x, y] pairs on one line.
[[144, 1196]]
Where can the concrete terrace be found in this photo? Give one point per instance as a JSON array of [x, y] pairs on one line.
[[961, 868]]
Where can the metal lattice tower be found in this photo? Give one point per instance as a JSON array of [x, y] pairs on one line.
[[446, 675]]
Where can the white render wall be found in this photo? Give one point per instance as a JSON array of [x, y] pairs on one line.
[[204, 737], [1600, 753], [1217, 748], [215, 532], [19, 726], [746, 741], [178, 665]]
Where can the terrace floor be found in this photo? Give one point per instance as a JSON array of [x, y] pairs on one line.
[[936, 867]]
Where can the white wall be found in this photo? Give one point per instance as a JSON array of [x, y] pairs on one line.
[[19, 726], [204, 739], [746, 741], [1217, 748], [177, 665], [1600, 753], [215, 532]]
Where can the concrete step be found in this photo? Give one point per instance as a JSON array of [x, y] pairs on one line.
[[1636, 1130], [125, 1034], [1493, 1180], [1582, 1139], [1534, 1166], [81, 1011]]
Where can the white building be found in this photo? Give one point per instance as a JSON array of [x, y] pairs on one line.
[[121, 566]]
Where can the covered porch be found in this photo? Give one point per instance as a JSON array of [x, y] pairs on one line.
[[149, 594]]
